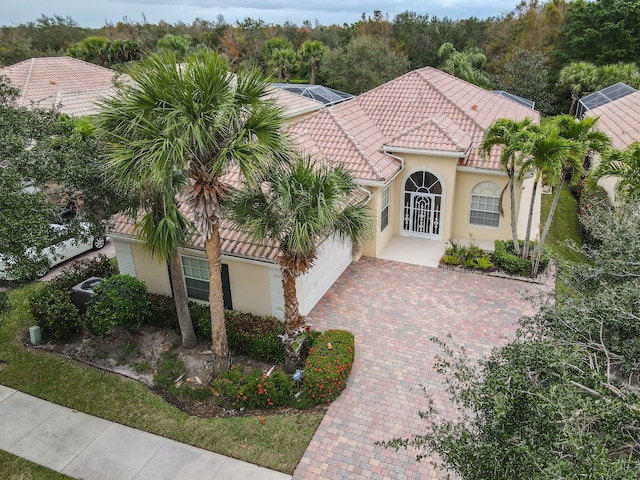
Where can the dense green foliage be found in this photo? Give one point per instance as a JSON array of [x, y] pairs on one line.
[[117, 300], [328, 365], [561, 400], [256, 337], [525, 42], [51, 304], [237, 389]]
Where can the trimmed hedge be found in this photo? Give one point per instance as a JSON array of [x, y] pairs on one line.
[[256, 337], [254, 390], [329, 365], [118, 300], [504, 256]]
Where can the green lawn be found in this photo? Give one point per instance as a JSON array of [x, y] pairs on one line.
[[565, 226], [16, 468], [279, 444]]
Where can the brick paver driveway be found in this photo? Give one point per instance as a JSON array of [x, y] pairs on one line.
[[393, 309]]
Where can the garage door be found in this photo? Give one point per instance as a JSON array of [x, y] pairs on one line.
[[334, 256]]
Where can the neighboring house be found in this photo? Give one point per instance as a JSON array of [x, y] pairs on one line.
[[74, 86], [620, 119], [412, 143]]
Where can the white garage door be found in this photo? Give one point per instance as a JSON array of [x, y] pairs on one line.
[[334, 256]]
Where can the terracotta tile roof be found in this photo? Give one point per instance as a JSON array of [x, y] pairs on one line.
[[620, 120], [48, 78], [77, 103], [422, 110]]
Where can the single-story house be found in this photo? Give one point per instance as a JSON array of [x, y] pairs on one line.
[[413, 144], [619, 118]]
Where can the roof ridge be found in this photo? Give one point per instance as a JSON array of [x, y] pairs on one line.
[[352, 140], [23, 94], [447, 99]]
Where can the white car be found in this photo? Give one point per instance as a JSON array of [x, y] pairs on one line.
[[62, 251]]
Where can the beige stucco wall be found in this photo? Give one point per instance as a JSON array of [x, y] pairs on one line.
[[153, 273], [445, 169], [250, 290], [461, 227]]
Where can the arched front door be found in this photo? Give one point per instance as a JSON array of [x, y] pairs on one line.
[[422, 206]]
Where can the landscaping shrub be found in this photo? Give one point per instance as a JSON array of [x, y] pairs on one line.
[[328, 365], [254, 390], [163, 311], [55, 313], [504, 256], [201, 319], [593, 200], [256, 337], [118, 300], [470, 256], [100, 266]]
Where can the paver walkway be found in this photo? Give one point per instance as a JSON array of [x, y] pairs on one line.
[[393, 309], [90, 448]]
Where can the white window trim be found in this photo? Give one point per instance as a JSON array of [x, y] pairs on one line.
[[385, 207], [185, 276], [479, 196]]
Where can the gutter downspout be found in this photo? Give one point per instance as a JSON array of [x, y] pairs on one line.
[[400, 159]]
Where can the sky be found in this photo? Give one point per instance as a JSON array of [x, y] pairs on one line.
[[93, 14]]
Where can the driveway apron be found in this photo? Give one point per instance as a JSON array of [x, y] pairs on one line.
[[394, 309]]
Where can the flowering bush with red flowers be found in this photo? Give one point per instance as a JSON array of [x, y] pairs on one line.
[[328, 365], [236, 389]]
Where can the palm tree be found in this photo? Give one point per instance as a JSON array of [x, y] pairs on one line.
[[578, 77], [466, 65], [540, 150], [163, 228], [283, 60], [312, 52], [625, 165], [299, 205], [197, 117], [582, 137], [511, 136]]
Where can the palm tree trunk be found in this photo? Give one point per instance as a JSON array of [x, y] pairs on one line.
[[537, 252], [514, 225], [189, 339], [292, 318], [525, 252], [574, 104], [219, 344], [313, 73]]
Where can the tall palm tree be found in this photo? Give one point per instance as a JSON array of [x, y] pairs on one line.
[[625, 165], [312, 51], [163, 228], [510, 135], [299, 205], [195, 116], [540, 151], [578, 77], [582, 137]]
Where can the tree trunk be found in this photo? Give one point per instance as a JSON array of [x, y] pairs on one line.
[[525, 251], [574, 104], [537, 252], [292, 318], [189, 339], [514, 226], [219, 344], [313, 74]]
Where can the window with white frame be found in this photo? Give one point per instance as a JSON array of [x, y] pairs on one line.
[[485, 205], [196, 277], [384, 212]]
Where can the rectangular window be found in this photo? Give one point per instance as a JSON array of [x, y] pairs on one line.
[[196, 277], [384, 212], [485, 210]]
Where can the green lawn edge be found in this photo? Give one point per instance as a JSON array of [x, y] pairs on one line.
[[16, 468], [278, 444]]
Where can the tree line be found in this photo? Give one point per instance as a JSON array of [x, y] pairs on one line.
[[523, 51]]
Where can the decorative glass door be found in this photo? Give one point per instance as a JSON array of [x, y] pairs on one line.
[[422, 206]]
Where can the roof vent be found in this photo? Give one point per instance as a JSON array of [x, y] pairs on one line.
[[474, 107]]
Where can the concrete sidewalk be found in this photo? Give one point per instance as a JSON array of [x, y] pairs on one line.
[[91, 448]]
